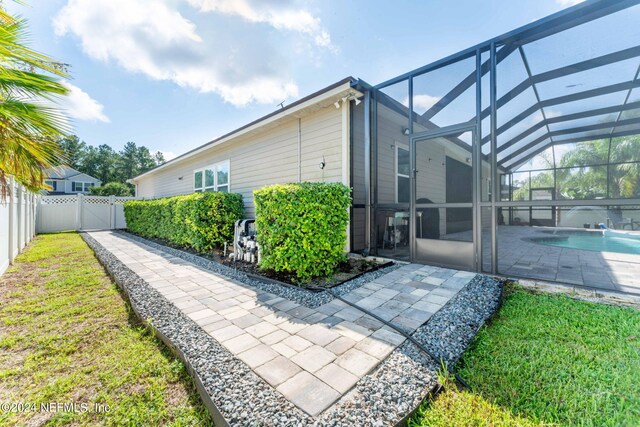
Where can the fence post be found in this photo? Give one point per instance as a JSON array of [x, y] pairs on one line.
[[12, 218], [32, 224], [79, 212], [27, 218], [38, 223], [19, 217], [112, 212], [33, 216]]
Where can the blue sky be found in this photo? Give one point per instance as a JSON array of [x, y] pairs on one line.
[[174, 74]]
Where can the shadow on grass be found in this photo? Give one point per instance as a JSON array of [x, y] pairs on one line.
[[79, 339], [148, 330]]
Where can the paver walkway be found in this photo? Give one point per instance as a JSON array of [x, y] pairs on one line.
[[311, 356]]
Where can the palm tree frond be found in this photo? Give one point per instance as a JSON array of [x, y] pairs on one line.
[[29, 123]]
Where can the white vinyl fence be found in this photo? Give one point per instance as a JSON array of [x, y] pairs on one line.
[[17, 223], [80, 212]]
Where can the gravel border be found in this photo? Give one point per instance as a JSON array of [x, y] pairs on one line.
[[235, 395], [450, 331], [239, 395], [301, 296], [391, 394]]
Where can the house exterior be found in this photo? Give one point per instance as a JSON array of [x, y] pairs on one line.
[[305, 141], [320, 138], [67, 180], [471, 161]]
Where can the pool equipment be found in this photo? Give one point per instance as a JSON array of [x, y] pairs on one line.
[[245, 245]]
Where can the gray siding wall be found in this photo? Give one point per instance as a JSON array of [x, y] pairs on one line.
[[431, 178], [268, 156]]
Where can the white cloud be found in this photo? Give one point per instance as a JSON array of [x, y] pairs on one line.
[[421, 102], [152, 37], [424, 101], [278, 14], [567, 3], [79, 105]]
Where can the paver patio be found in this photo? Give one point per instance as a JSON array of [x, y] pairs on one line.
[[312, 356]]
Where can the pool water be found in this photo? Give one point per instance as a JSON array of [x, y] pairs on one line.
[[596, 242]]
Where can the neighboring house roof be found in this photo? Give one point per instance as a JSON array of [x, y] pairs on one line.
[[316, 98], [61, 172], [64, 172]]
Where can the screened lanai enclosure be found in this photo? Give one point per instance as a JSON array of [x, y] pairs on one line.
[[519, 156]]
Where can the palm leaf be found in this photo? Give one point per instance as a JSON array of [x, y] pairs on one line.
[[29, 125]]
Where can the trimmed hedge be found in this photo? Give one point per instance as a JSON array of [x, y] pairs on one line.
[[201, 221], [302, 228]]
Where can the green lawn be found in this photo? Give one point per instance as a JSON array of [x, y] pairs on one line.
[[547, 359], [67, 336]]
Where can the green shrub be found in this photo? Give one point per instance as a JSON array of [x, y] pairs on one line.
[[201, 221], [112, 189], [302, 228]]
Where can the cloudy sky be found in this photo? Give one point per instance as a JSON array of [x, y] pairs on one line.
[[174, 74]]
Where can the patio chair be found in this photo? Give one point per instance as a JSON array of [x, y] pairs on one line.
[[616, 220]]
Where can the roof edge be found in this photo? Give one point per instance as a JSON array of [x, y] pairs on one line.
[[286, 110]]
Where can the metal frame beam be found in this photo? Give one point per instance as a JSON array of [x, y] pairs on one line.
[[367, 171], [579, 14], [500, 48], [393, 104], [477, 166], [569, 202], [495, 189], [467, 82], [626, 99], [534, 87], [565, 118], [518, 162], [569, 131], [605, 90], [565, 71]]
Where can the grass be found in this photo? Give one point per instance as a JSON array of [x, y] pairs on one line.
[[67, 336], [546, 360]]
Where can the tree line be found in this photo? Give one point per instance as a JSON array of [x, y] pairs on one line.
[[107, 165], [604, 168]]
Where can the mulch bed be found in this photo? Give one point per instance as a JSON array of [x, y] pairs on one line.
[[346, 271]]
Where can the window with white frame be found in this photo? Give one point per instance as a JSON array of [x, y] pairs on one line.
[[80, 186], [212, 178], [403, 168], [51, 183]]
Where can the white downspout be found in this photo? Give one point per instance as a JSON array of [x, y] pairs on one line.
[[346, 164], [299, 150]]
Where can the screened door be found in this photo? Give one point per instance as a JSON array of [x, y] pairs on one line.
[[443, 200]]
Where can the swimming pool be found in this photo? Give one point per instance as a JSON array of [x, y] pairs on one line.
[[593, 242]]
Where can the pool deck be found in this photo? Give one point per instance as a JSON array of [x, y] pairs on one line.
[[520, 257]]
